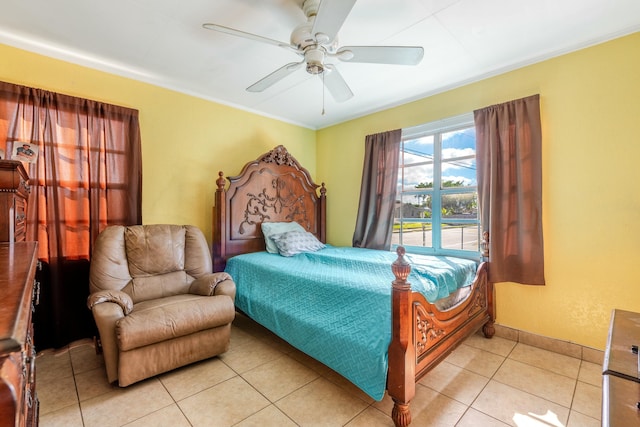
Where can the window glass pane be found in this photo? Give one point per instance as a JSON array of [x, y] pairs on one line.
[[395, 236], [413, 206], [413, 234], [416, 177], [418, 150], [460, 206], [457, 236], [459, 143], [459, 173], [459, 158]]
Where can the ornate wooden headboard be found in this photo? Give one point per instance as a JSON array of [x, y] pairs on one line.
[[272, 188]]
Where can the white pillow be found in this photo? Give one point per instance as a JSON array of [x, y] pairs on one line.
[[271, 228], [291, 243]]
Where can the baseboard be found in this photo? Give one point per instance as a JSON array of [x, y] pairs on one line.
[[567, 348]]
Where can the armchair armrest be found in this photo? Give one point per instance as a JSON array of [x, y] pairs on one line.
[[214, 284], [108, 308], [118, 297]]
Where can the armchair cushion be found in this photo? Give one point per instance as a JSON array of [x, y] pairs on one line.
[[172, 317], [158, 286], [155, 251]]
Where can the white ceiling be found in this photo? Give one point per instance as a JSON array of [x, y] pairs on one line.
[[162, 42]]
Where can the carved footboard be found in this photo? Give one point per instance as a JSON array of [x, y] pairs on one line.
[[422, 335]]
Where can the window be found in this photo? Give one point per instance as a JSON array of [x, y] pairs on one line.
[[88, 174], [436, 208]]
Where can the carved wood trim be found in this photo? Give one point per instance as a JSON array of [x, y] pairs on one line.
[[279, 156], [479, 299], [427, 332], [282, 204]]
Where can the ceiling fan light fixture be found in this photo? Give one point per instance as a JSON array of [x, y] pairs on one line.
[[314, 68], [315, 60]]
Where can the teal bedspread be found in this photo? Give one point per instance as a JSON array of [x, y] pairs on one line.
[[335, 304]]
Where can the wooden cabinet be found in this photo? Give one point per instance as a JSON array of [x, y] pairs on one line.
[[14, 190], [19, 293], [621, 371]]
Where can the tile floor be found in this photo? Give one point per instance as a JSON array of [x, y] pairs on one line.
[[262, 381]]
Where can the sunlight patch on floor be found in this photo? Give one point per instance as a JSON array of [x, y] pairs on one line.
[[535, 420]]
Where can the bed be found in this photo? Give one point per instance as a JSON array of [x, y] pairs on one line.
[[415, 334]]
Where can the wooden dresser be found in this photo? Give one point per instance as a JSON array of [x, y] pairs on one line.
[[19, 294], [621, 371], [14, 190]]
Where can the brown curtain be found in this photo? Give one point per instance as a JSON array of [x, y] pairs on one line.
[[509, 159], [88, 175], [374, 223]]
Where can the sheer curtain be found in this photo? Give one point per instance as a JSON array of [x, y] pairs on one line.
[[509, 159], [374, 223], [88, 175]]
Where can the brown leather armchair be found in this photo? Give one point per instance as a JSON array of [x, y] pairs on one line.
[[155, 300]]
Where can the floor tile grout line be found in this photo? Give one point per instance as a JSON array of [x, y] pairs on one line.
[[470, 406], [258, 391], [175, 402], [75, 384]]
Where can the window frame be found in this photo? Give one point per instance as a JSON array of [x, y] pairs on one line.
[[436, 129]]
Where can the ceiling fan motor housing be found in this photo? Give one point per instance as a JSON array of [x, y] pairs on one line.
[[301, 35]]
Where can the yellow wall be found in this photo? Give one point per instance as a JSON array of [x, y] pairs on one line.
[[590, 106], [185, 140], [590, 102]]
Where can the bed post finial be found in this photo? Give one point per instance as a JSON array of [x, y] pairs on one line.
[[220, 181], [400, 267]]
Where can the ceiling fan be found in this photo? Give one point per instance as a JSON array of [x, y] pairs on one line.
[[316, 42]]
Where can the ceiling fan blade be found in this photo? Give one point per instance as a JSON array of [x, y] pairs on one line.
[[330, 17], [274, 77], [402, 55], [336, 85], [250, 36]]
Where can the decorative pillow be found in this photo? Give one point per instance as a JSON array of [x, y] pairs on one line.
[[271, 228], [294, 242]]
